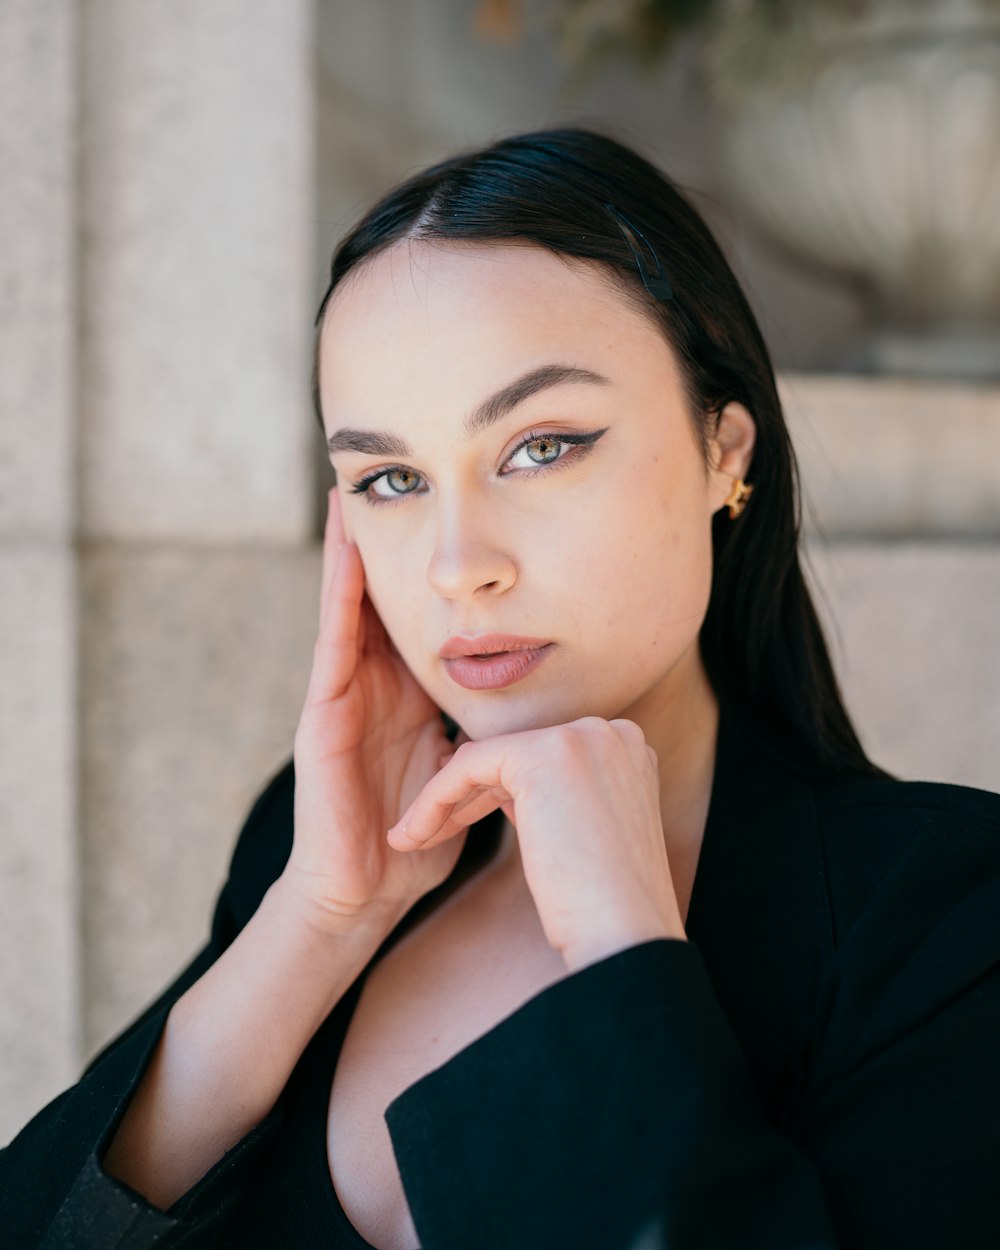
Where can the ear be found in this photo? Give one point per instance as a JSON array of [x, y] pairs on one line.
[[730, 451]]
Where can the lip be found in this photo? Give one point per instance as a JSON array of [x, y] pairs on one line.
[[485, 644], [516, 657]]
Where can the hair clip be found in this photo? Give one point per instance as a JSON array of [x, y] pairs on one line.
[[657, 284]]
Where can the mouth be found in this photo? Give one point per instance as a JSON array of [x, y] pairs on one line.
[[488, 645], [493, 661]]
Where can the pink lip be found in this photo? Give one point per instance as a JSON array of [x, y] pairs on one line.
[[487, 644], [492, 661]]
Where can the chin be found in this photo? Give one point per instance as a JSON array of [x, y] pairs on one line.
[[490, 715]]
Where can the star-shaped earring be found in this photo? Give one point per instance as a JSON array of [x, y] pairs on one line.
[[738, 497]]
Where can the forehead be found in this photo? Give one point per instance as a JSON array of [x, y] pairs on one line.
[[432, 267], [423, 310]]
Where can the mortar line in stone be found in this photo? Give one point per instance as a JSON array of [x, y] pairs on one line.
[[78, 34]]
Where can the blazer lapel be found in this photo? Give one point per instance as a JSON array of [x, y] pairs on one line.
[[759, 913]]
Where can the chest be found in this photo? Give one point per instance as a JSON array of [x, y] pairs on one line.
[[448, 981]]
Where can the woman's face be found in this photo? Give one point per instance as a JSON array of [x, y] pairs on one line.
[[515, 456]]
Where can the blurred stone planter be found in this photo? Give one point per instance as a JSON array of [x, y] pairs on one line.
[[870, 144]]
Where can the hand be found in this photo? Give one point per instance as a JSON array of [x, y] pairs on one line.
[[585, 800], [368, 740]]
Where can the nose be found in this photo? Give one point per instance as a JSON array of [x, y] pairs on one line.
[[469, 559]]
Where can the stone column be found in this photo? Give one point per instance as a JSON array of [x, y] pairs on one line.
[[196, 506], [39, 954]]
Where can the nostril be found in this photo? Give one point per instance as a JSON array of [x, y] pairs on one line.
[[470, 569]]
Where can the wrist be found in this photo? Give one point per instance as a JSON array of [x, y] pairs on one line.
[[326, 924], [590, 948]]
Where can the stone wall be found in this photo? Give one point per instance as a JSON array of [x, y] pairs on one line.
[[157, 556], [40, 1026], [160, 475]]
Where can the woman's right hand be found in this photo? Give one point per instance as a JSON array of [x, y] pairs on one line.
[[367, 742]]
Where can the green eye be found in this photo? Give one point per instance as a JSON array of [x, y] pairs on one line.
[[543, 450], [540, 450], [398, 482]]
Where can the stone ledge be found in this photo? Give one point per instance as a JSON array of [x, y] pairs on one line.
[[895, 457], [912, 628]]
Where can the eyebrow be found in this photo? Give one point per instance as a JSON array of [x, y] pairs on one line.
[[381, 443]]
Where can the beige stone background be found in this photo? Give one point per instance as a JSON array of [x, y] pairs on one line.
[[175, 173]]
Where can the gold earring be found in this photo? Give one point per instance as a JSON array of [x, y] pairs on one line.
[[738, 497]]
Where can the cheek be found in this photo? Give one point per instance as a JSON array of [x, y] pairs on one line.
[[393, 584], [671, 584], [651, 580], [680, 589]]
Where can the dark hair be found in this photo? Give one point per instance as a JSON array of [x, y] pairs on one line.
[[585, 195]]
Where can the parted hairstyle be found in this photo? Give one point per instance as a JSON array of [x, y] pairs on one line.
[[583, 194]]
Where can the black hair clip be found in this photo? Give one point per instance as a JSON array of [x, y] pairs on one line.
[[657, 284]]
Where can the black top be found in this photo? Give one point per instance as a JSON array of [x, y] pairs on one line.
[[817, 1067]]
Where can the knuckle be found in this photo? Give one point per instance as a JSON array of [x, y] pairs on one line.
[[562, 741], [462, 752]]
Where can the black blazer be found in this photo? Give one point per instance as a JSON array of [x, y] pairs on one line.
[[817, 1067]]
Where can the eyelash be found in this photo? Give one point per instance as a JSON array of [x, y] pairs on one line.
[[582, 442]]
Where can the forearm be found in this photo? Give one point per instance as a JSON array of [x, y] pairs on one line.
[[231, 1042]]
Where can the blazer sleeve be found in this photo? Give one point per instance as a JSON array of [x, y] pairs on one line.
[[54, 1193], [616, 1109]]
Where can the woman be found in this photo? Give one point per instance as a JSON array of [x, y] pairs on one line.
[[651, 954]]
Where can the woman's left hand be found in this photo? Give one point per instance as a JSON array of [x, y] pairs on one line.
[[584, 798]]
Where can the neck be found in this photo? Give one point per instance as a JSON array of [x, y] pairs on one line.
[[680, 719]]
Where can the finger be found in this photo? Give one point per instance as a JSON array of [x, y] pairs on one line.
[[335, 656], [372, 635], [473, 768], [452, 747], [333, 538], [629, 730], [460, 816], [465, 814], [375, 639]]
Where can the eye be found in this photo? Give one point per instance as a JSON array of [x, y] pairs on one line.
[[542, 450], [387, 485], [539, 450], [395, 482], [536, 452]]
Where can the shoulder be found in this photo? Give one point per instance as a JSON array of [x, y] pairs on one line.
[[898, 815], [896, 800], [263, 846], [885, 841], [912, 872]]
